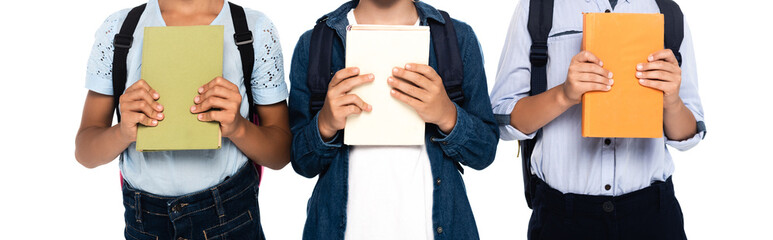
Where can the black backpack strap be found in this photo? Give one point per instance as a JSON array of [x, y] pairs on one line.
[[449, 59], [674, 26], [320, 62], [539, 25], [122, 42], [243, 39]]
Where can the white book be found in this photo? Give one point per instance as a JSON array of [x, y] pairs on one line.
[[377, 49]]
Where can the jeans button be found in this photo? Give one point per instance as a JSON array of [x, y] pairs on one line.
[[608, 206], [176, 208]]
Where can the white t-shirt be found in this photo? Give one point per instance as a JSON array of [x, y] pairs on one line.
[[390, 191]]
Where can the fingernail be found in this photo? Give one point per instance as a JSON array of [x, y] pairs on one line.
[[159, 115], [155, 95], [638, 74], [393, 91], [154, 122], [609, 75], [611, 81], [407, 66], [650, 58], [395, 70], [638, 67], [193, 108], [389, 79], [641, 81], [371, 76], [601, 63], [201, 89], [196, 99], [356, 70], [609, 87], [200, 116], [159, 107]]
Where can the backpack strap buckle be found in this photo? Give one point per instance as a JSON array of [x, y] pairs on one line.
[[123, 41], [243, 38], [539, 53]]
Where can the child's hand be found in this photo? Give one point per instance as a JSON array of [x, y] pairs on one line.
[[339, 104], [419, 86], [139, 106], [220, 101], [585, 74], [662, 72]]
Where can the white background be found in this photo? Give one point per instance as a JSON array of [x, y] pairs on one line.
[[723, 184]]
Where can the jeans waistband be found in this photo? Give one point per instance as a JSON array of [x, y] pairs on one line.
[[213, 197], [659, 193]]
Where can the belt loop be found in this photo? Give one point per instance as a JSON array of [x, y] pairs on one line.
[[218, 203], [569, 204], [137, 208]]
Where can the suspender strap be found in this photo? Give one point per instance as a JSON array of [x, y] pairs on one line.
[[122, 42], [450, 66], [320, 57], [243, 39], [674, 26], [539, 25]]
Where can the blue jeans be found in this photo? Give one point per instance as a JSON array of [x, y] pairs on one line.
[[228, 210]]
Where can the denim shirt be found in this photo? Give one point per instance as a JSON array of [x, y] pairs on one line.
[[472, 142]]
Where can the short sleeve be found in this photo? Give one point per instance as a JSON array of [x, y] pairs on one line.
[[268, 80], [99, 69]]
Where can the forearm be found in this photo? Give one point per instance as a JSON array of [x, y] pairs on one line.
[[533, 112], [678, 122], [95, 146], [266, 145]]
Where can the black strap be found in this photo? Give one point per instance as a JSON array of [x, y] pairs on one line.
[[539, 25], [320, 62], [449, 59], [243, 38], [674, 26], [122, 42]]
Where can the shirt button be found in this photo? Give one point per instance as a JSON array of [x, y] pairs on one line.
[[608, 206], [607, 141], [437, 181], [181, 238], [439, 230], [607, 187], [607, 11]]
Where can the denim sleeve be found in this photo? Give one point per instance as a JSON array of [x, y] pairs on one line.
[[310, 154], [473, 141]]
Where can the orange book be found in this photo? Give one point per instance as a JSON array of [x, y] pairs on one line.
[[621, 41]]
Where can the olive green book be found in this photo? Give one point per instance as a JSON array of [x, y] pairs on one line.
[[176, 61]]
